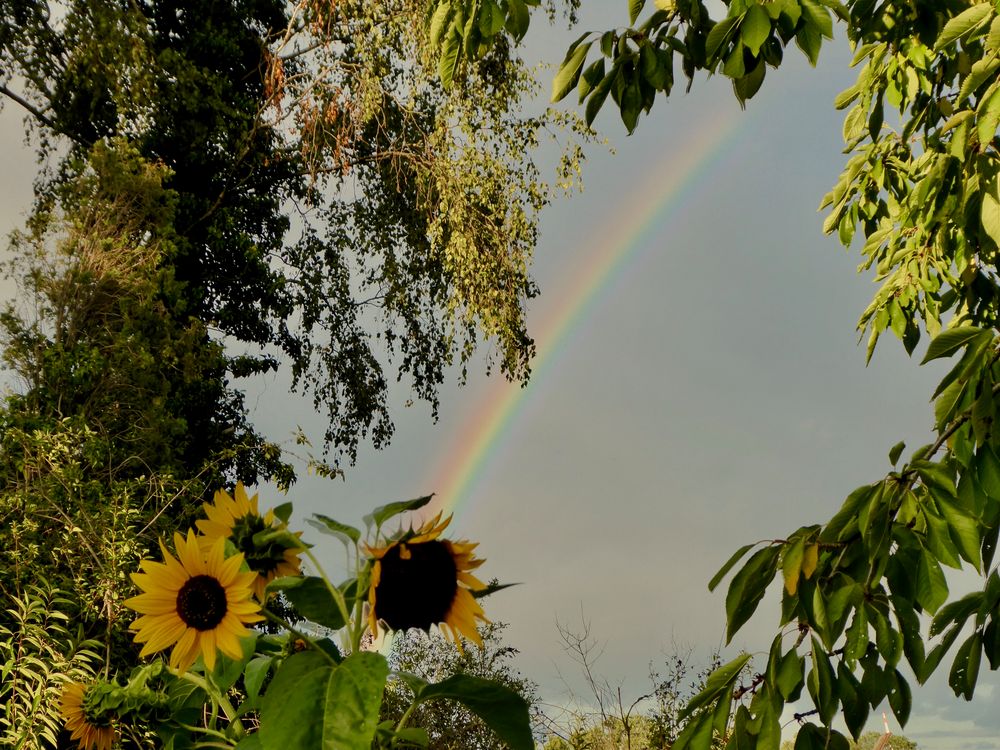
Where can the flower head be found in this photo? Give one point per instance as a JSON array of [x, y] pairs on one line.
[[418, 580], [236, 517], [196, 602], [86, 727]]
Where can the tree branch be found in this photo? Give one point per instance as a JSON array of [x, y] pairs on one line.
[[32, 110]]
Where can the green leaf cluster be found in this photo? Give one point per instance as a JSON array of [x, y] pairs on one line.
[[415, 205]]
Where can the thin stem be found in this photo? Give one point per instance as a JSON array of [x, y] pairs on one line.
[[406, 715], [334, 591], [206, 730], [220, 699], [291, 629]]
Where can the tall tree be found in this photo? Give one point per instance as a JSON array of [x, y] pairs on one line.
[[414, 207]]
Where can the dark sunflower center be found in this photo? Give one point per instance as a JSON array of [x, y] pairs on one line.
[[416, 592], [201, 602], [259, 560]]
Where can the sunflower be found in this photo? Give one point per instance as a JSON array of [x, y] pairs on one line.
[[236, 517], [91, 732], [197, 602], [418, 580]]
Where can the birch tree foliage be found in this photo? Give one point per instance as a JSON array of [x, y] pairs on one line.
[[865, 605], [331, 193]]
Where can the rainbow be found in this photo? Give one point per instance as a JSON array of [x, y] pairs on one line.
[[642, 211]]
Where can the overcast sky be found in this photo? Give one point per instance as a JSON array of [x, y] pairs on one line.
[[714, 394]]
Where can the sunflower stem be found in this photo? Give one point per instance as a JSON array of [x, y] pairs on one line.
[[335, 592], [210, 732], [288, 626], [219, 700], [357, 630], [406, 715]]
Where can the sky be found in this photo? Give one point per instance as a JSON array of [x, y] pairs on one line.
[[700, 385]]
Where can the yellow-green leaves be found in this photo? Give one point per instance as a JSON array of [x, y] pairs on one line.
[[950, 341], [798, 560], [449, 57], [791, 565], [748, 586], [440, 22], [720, 34], [569, 72], [755, 29], [634, 9], [963, 24], [460, 29]]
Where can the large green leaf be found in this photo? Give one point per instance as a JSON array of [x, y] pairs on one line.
[[719, 682], [311, 599], [491, 18], [948, 342], [329, 526], [932, 589], [736, 557], [314, 705], [962, 24], [384, 512], [965, 531], [569, 71], [500, 708], [990, 210], [755, 29], [518, 19], [822, 683], [817, 17], [747, 588], [634, 9], [965, 669], [439, 22], [449, 57], [718, 35]]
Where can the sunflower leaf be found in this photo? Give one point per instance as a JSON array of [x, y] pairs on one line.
[[416, 683], [383, 513], [281, 537], [314, 705], [329, 526], [492, 588], [283, 511], [256, 672], [227, 670], [311, 599]]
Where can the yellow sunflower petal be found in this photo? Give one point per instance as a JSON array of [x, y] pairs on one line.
[[186, 650], [212, 528], [189, 553], [207, 639], [471, 581], [153, 602]]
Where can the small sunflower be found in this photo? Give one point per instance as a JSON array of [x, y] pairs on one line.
[[237, 518], [196, 602], [89, 731], [419, 580]]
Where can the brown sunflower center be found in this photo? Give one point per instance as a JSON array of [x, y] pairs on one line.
[[201, 602], [418, 591]]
